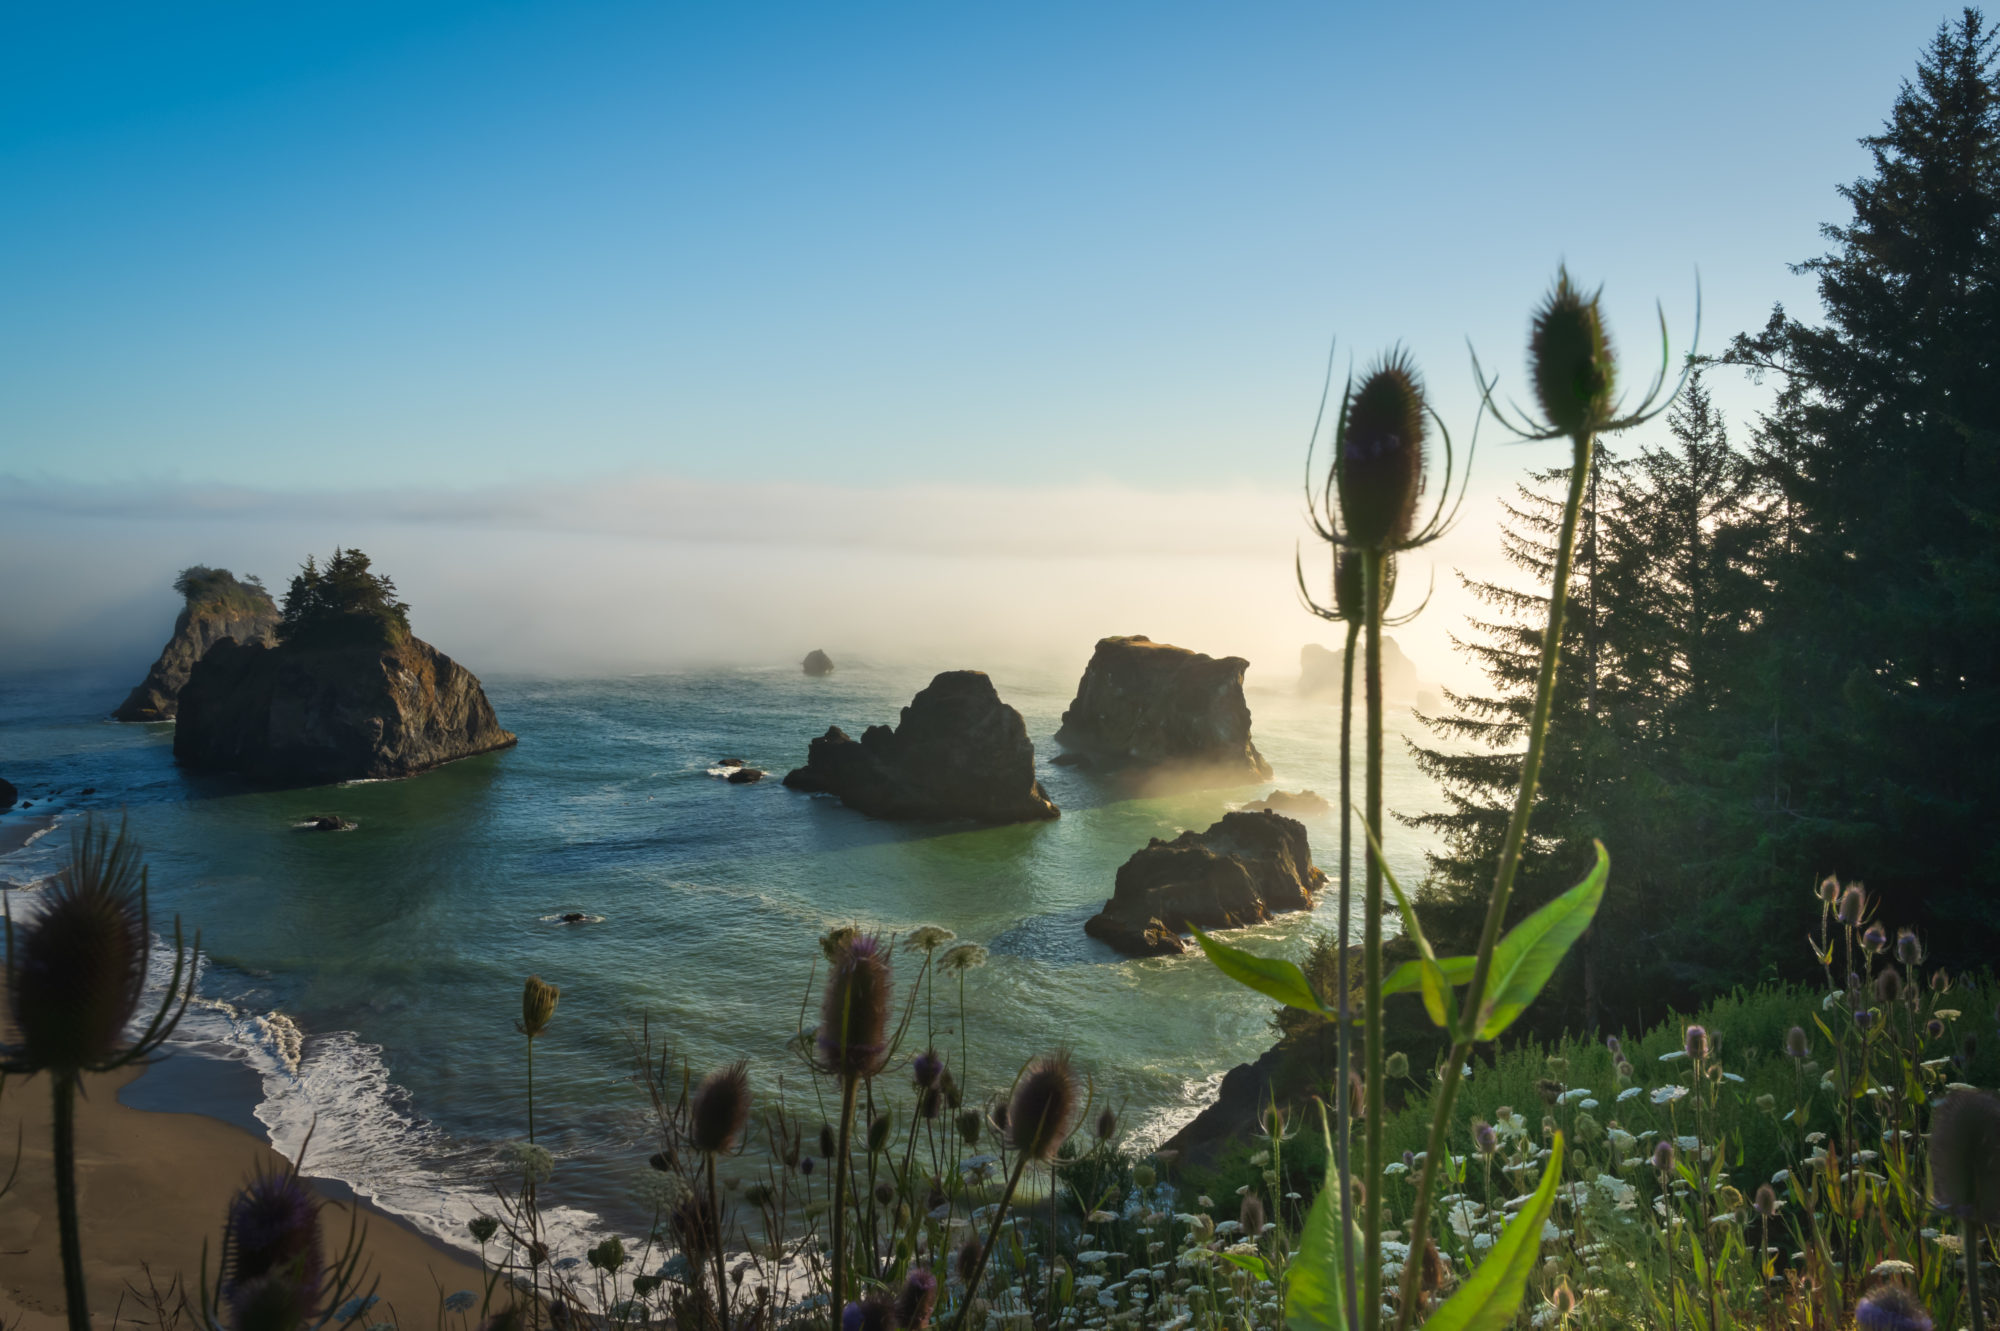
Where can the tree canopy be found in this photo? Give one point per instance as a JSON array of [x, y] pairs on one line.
[[342, 601]]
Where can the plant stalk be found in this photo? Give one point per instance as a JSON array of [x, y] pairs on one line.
[[1343, 1168], [992, 1237], [1510, 859], [531, 1090], [721, 1277], [1372, 562], [74, 1294], [1971, 1229], [839, 1302]]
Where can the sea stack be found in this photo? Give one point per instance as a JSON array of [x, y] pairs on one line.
[[818, 663], [1321, 672], [1242, 870], [958, 752], [217, 605], [346, 693], [1162, 710]]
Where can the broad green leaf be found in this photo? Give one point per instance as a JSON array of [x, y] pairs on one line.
[[1314, 1300], [1272, 976], [1531, 951], [1410, 975], [1249, 1262], [1436, 988], [1490, 1298]]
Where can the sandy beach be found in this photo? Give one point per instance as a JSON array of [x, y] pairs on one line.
[[155, 1187], [19, 830]]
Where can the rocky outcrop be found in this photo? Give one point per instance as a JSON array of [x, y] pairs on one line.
[[1284, 801], [8, 794], [1146, 705], [1320, 674], [818, 663], [303, 715], [217, 606], [1242, 870], [1234, 1116], [958, 752]]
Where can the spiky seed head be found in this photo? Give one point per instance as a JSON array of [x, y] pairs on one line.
[[538, 1006], [1965, 1156], [1934, 1029], [1435, 1270], [721, 1109], [1624, 1070], [1828, 890], [1549, 1089], [927, 1068], [1397, 1064], [1563, 1301], [1940, 981], [1909, 948], [1888, 985], [1875, 938], [1145, 1176], [1570, 356], [854, 1013], [916, 1300], [969, 1125], [1890, 1307], [1107, 1124], [1853, 904], [967, 1263], [805, 1164], [78, 970], [930, 1103], [878, 1132], [1797, 1043], [1767, 1200], [1484, 1139], [274, 1267], [1380, 469], [884, 1194], [827, 1144], [1251, 1214], [1864, 1019], [1043, 1107], [1614, 1044], [483, 1228], [1663, 1156], [1697, 1043]]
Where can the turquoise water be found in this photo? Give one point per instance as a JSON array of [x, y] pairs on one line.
[[372, 977]]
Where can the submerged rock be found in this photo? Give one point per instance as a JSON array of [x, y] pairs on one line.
[[304, 714], [818, 663], [957, 752], [744, 776], [218, 606], [1243, 870], [328, 822], [1147, 705]]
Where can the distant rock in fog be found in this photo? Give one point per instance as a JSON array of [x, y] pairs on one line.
[[1241, 871], [217, 606], [957, 752], [818, 663], [1320, 674], [1285, 802], [1156, 708]]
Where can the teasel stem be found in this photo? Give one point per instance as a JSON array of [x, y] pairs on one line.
[[1343, 1167], [74, 1293], [1971, 1229], [531, 1090], [993, 1237], [721, 1277], [1372, 562], [1510, 858], [848, 1086]]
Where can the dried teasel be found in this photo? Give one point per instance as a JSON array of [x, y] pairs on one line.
[[854, 1011], [1251, 1214], [1043, 1107], [1798, 1044], [1379, 468], [720, 1109], [1695, 1043]]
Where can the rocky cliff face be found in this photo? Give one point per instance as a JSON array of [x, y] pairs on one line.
[[245, 614], [958, 752], [298, 715], [1144, 704], [818, 663], [1242, 870]]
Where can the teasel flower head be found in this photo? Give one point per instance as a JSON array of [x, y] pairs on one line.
[[927, 1069], [1940, 981], [854, 1013], [1965, 1157], [75, 974], [1696, 1043], [1909, 948], [1043, 1107], [1890, 1307], [1798, 1044], [274, 1267], [1864, 1019], [1888, 985], [878, 1132], [970, 1122], [916, 1300], [1766, 1201], [1934, 1029], [1853, 905], [1251, 1214], [1106, 1126], [1828, 891], [720, 1109], [1575, 371], [966, 1264], [1663, 1156], [695, 1226], [1379, 469], [1615, 1045], [1875, 938], [538, 1006], [1397, 1064], [1484, 1139]]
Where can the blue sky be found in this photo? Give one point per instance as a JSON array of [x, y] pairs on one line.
[[306, 246]]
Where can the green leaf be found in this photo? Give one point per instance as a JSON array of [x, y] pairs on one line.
[[1273, 977], [1314, 1300], [1490, 1298], [1436, 988], [1531, 951], [1249, 1262], [1410, 975]]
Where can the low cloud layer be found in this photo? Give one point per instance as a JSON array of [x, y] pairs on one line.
[[638, 573]]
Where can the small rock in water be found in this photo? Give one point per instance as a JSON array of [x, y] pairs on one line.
[[574, 917], [326, 822], [818, 663], [744, 776], [729, 762]]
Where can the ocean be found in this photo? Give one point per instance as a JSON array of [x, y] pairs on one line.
[[370, 979]]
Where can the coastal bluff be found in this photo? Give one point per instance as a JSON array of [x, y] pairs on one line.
[[307, 714], [1241, 871], [1151, 706], [217, 605], [957, 752]]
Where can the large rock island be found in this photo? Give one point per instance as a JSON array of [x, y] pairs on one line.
[[957, 753], [1165, 710], [217, 605], [347, 693], [1242, 870]]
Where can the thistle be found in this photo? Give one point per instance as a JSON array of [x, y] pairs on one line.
[[273, 1265], [1696, 1043], [717, 1115], [1853, 904], [1909, 948], [75, 976], [927, 1069], [916, 1300], [1571, 359], [1379, 469], [853, 1044], [1892, 1308], [538, 1008], [1797, 1044]]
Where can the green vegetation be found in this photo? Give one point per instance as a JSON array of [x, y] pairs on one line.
[[217, 588], [342, 603]]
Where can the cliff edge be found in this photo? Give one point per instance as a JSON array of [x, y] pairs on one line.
[[218, 605]]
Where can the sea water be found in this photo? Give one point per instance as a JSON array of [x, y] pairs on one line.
[[372, 978]]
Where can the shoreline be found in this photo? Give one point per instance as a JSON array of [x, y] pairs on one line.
[[155, 1178], [16, 833]]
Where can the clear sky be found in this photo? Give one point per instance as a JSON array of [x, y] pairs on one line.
[[438, 247]]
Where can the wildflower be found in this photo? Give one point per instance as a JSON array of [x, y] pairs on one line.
[[1852, 903], [1797, 1043], [1251, 1216], [964, 957], [1965, 1157], [1829, 890], [930, 937], [878, 1132], [854, 1011], [1663, 1156], [1629, 1092], [1934, 1029], [483, 1228], [1570, 1097], [1666, 1095], [1696, 1043], [1909, 949], [915, 1302], [1572, 362], [534, 1162], [926, 1069], [1864, 1019], [1890, 1307], [1767, 1200], [1888, 986], [1875, 938], [1106, 1126], [273, 1264], [1397, 1064], [1484, 1139], [1673, 1055], [538, 1006], [720, 1109], [1380, 467], [1044, 1102]]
